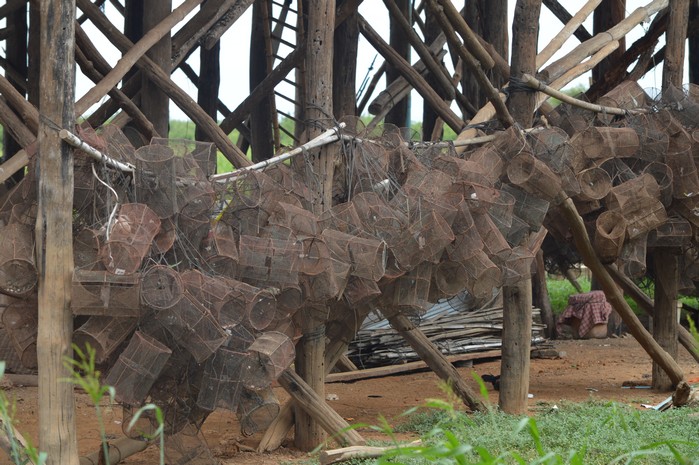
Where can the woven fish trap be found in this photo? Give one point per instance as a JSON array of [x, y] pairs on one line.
[[290, 298], [291, 182], [663, 176], [18, 274], [221, 380], [192, 155], [652, 141], [378, 218], [137, 368], [103, 293], [571, 119], [21, 322], [130, 238], [193, 327], [367, 256], [359, 291], [324, 273], [188, 446], [595, 184], [256, 410], [516, 265], [509, 143], [637, 201], [430, 182], [104, 334], [684, 173], [424, 240], [155, 179], [300, 221], [552, 146], [527, 207], [449, 277], [628, 96], [488, 161], [518, 231], [610, 232], [535, 177], [499, 205], [161, 287], [493, 240], [342, 217], [462, 170], [681, 105], [266, 359], [414, 203], [482, 275], [271, 262], [607, 142], [213, 292], [118, 146], [220, 251], [369, 165], [633, 256], [412, 290], [675, 232], [86, 247], [260, 306]]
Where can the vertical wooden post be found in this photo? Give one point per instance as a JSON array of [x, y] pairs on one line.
[[262, 142], [517, 303], [318, 109], [693, 48], [607, 15], [345, 67], [400, 113], [155, 103], [525, 29], [665, 312], [429, 115], [516, 347], [54, 244], [674, 43], [540, 296]]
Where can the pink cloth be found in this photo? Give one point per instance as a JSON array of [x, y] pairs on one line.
[[591, 308]]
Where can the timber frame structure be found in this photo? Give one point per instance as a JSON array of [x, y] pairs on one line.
[[312, 45]]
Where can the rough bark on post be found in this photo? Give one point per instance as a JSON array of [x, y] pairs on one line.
[[54, 249], [525, 28], [345, 67], [318, 110], [262, 142], [665, 312], [693, 48], [155, 103], [516, 347], [207, 90], [607, 15], [674, 39]]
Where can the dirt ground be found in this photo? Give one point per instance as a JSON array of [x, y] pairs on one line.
[[588, 369]]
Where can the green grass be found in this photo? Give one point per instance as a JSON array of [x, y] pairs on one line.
[[587, 433]]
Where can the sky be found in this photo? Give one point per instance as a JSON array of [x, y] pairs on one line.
[[234, 57]]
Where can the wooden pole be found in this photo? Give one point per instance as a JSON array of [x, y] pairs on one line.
[[516, 347], [540, 296], [155, 103], [665, 315], [573, 24], [646, 304], [345, 67], [431, 355], [208, 83], [54, 241], [562, 14], [693, 46], [607, 15], [614, 296], [674, 39], [262, 114], [524, 40]]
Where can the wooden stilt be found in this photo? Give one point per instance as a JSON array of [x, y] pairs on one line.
[[665, 312], [54, 242], [155, 103], [516, 347], [399, 114], [675, 38], [431, 355], [540, 296]]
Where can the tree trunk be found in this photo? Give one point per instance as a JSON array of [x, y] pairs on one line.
[[524, 45], [16, 46], [54, 249], [665, 312], [608, 14], [208, 86], [516, 347], [155, 103], [674, 38], [429, 115], [345, 67], [262, 142], [400, 113]]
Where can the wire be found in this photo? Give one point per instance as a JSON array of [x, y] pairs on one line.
[[116, 205]]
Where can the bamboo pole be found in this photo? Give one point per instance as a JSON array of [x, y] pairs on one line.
[[471, 41], [564, 17], [564, 34], [54, 241], [614, 296]]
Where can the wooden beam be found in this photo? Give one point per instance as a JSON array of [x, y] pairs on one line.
[[570, 26], [614, 296], [15, 127], [516, 347], [54, 241], [431, 355], [665, 311], [524, 45], [674, 43], [155, 103], [607, 15], [315, 406], [24, 109]]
